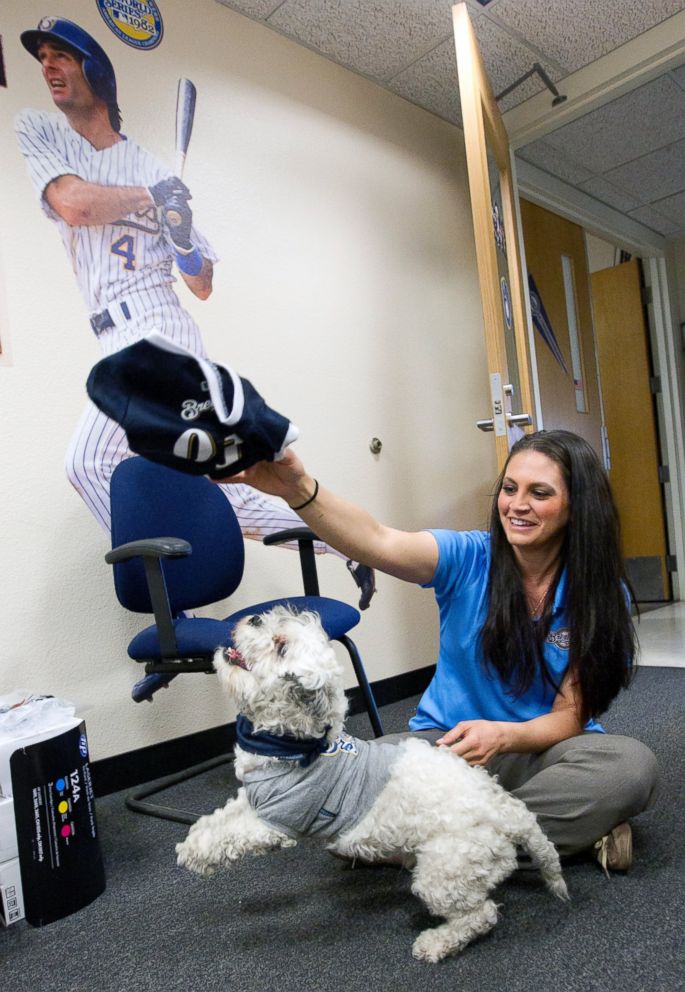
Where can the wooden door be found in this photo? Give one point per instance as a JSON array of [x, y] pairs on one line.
[[496, 235], [559, 287], [625, 369]]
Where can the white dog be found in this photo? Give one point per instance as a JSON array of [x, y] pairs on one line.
[[410, 801]]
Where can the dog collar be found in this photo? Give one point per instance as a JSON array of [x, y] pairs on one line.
[[285, 746]]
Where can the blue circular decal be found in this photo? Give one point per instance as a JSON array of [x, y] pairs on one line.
[[135, 22]]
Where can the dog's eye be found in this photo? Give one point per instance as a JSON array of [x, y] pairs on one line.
[[255, 621]]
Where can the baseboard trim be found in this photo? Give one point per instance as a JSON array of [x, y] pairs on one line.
[[125, 771]]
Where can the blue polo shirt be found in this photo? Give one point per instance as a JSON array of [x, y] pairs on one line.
[[463, 687]]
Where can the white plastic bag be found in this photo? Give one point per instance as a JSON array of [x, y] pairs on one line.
[[24, 714]]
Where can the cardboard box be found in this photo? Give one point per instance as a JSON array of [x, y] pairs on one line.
[[11, 896]]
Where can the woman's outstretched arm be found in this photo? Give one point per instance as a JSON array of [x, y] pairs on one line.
[[412, 556]]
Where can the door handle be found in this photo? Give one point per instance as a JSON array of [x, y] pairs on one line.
[[518, 419]]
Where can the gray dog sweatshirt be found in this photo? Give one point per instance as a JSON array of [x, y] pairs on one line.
[[332, 794]]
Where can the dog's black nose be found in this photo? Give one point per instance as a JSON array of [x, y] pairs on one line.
[[255, 621]]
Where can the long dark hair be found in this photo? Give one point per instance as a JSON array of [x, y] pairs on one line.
[[602, 637]]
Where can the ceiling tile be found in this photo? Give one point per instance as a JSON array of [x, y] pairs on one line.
[[548, 158], [656, 221], [679, 75], [576, 34], [672, 207], [258, 9], [634, 124], [506, 60], [658, 174], [603, 190], [432, 83], [375, 39]]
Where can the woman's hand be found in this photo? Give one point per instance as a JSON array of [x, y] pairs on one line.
[[286, 478], [476, 740]]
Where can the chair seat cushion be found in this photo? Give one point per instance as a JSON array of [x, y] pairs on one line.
[[201, 636], [337, 618]]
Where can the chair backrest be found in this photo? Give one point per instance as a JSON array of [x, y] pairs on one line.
[[150, 500]]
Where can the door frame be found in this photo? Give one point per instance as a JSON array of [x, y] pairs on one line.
[[608, 224]]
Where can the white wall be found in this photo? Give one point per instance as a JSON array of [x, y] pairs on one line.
[[346, 291], [600, 254]]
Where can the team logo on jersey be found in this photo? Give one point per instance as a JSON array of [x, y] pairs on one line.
[[135, 22], [343, 744], [191, 409], [144, 220], [560, 638]]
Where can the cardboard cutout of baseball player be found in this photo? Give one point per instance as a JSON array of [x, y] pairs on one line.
[[111, 201]]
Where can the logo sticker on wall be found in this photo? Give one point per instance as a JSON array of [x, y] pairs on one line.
[[506, 303], [135, 22]]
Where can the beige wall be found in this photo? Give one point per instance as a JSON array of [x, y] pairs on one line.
[[346, 292]]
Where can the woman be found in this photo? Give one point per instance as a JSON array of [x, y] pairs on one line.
[[536, 637]]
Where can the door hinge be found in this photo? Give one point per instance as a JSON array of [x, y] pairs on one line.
[[671, 563], [655, 384], [664, 474]]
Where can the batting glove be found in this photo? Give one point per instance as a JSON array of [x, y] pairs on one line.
[[172, 186], [179, 219]]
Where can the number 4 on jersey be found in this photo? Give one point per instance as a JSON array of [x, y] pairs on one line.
[[125, 247]]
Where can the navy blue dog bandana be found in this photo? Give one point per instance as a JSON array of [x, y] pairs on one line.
[[303, 750], [185, 411]]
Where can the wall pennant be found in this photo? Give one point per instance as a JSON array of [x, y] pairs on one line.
[[542, 323]]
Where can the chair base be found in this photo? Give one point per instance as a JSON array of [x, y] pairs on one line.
[[136, 800]]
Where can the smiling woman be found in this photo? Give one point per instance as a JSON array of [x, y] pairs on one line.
[[533, 508], [536, 637]]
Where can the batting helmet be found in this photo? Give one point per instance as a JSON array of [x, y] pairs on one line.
[[98, 71]]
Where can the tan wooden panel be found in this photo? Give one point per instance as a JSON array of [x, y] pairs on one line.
[[628, 407], [547, 237], [483, 132]]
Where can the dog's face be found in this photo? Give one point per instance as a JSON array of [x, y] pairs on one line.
[[283, 675]]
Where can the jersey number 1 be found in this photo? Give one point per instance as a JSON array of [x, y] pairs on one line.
[[125, 248]]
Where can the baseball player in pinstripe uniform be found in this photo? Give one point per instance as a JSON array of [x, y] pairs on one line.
[[109, 199]]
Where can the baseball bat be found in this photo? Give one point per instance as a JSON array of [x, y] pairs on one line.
[[186, 95]]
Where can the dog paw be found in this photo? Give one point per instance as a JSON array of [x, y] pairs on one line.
[[429, 946], [188, 857]]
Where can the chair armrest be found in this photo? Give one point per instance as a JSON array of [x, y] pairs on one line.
[[152, 551], [305, 539], [293, 534], [154, 547]]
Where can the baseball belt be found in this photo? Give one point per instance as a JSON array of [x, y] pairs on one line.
[[102, 321]]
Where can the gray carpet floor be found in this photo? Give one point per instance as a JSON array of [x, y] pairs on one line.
[[299, 919]]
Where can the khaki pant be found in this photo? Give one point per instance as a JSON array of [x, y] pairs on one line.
[[579, 789]]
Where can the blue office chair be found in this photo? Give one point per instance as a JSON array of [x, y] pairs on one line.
[[177, 545]]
